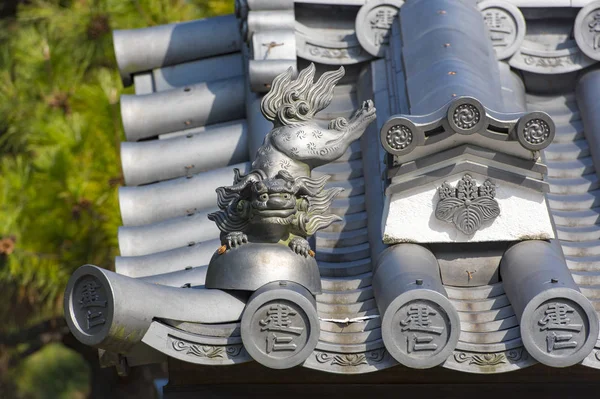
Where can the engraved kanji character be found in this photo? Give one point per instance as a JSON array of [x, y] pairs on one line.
[[380, 25], [557, 341], [556, 318], [416, 343], [278, 320], [418, 321], [383, 19], [90, 297], [595, 29], [496, 22], [280, 343], [94, 319]]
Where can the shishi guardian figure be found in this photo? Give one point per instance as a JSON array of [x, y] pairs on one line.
[[298, 143], [279, 201], [282, 209]]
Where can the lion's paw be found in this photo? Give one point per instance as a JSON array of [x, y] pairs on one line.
[[300, 246]]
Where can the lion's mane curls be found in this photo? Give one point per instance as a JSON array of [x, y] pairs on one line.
[[291, 101]]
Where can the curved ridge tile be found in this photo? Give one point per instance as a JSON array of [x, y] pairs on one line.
[[209, 330], [357, 315], [350, 327], [172, 198], [348, 206], [350, 338], [586, 278], [547, 101], [583, 263], [570, 169], [345, 254], [340, 171], [168, 234], [345, 297], [574, 201], [486, 316], [481, 304], [351, 221], [345, 238], [475, 293], [578, 233], [491, 326], [345, 269], [573, 185], [353, 153], [569, 132], [157, 160], [351, 187], [490, 337], [567, 151], [581, 248], [564, 114], [345, 310], [583, 218], [346, 283], [592, 292], [353, 348], [497, 347], [167, 261]]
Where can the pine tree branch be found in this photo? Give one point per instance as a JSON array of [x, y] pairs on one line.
[[33, 347], [8, 8], [37, 332]]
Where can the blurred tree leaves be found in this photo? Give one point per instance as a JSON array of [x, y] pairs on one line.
[[60, 134], [54, 372]]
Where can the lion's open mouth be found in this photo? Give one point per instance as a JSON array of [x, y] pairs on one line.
[[275, 213], [371, 112]]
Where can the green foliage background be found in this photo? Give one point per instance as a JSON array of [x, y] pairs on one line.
[[53, 373], [60, 133]]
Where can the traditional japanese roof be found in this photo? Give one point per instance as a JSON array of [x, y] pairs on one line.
[[196, 116]]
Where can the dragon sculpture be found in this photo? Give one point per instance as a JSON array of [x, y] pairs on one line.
[[278, 201]]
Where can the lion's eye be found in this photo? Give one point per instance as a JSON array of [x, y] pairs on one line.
[[286, 196], [264, 197]]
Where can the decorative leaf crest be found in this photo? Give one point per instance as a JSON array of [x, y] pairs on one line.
[[466, 189], [487, 206], [491, 359], [467, 219], [205, 351], [467, 206], [482, 360], [446, 191], [447, 207], [351, 359]]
